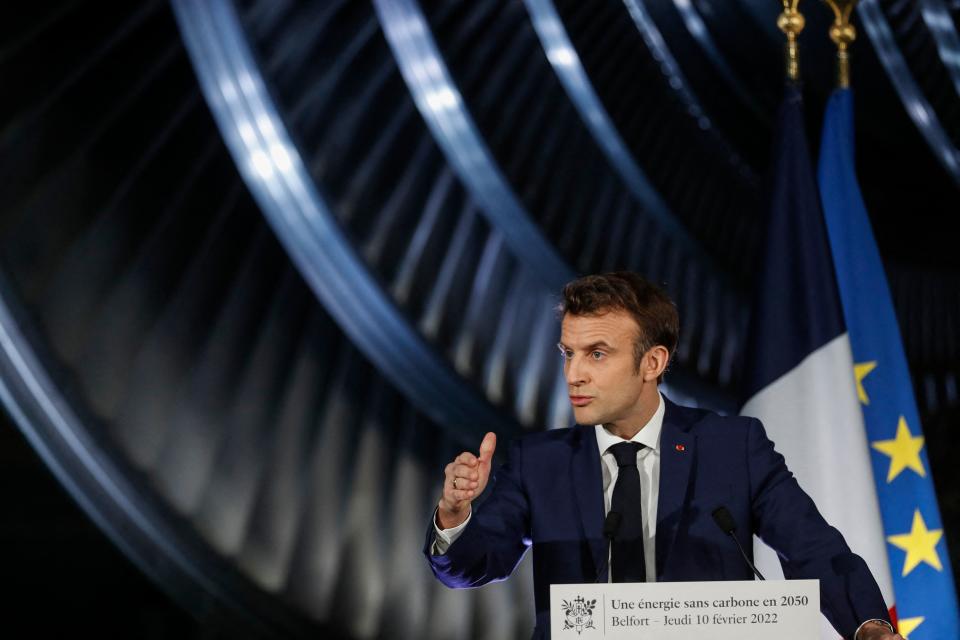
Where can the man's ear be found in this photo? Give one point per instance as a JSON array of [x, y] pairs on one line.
[[655, 362]]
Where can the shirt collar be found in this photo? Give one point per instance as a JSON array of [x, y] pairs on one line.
[[649, 435]]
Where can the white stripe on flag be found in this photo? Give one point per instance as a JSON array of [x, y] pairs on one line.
[[813, 416]]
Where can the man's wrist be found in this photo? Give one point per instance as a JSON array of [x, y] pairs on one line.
[[869, 629], [451, 519], [444, 538]]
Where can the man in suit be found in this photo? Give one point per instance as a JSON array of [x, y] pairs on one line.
[[661, 468]]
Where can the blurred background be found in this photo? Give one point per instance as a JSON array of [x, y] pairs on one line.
[[267, 265]]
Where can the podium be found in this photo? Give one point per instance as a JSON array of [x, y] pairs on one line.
[[734, 610]]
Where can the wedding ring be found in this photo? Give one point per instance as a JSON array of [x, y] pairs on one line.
[[454, 483]]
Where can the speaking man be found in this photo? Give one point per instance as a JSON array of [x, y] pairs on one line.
[[663, 468]]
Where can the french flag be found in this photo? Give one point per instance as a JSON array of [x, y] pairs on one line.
[[799, 375]]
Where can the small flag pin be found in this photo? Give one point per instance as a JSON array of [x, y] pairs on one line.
[[680, 447]]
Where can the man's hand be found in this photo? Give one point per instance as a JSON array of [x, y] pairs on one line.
[[875, 631], [466, 478]]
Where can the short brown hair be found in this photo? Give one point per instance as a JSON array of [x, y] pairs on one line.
[[650, 306]]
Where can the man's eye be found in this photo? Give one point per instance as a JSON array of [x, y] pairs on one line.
[[596, 355]]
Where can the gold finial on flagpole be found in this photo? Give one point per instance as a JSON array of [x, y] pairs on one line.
[[791, 22], [842, 33]]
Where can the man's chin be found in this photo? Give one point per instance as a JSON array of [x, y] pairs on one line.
[[583, 415]]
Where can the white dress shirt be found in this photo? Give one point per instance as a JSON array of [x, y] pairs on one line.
[[648, 463]]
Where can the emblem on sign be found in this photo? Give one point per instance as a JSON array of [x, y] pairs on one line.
[[579, 614]]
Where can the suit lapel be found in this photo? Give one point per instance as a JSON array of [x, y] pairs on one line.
[[588, 491], [677, 451]]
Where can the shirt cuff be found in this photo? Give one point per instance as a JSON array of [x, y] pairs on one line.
[[443, 538], [856, 636]]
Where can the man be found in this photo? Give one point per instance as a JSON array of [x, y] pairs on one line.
[[662, 468]]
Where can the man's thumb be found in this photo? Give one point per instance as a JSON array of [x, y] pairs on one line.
[[487, 447]]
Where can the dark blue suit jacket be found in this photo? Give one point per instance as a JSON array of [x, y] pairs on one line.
[[549, 495]]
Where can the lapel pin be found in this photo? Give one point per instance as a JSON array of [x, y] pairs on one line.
[[681, 448]]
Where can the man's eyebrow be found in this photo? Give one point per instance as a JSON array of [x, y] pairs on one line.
[[600, 344]]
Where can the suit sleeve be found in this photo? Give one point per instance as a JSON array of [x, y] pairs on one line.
[[495, 539], [787, 519]]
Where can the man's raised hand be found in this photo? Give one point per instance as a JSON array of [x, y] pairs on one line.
[[464, 479]]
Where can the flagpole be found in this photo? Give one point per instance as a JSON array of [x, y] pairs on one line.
[[791, 22], [842, 33]]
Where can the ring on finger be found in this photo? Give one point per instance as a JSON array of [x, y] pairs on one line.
[[454, 483]]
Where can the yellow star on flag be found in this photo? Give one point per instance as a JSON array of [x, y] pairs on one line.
[[920, 545], [905, 626], [904, 451], [860, 371]]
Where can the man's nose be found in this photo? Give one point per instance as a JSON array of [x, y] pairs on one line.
[[575, 372]]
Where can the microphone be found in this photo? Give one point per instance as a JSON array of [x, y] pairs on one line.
[[611, 525], [728, 525]]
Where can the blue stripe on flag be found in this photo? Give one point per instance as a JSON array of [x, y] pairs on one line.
[[796, 309]]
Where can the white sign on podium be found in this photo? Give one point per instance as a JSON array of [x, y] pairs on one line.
[[735, 610]]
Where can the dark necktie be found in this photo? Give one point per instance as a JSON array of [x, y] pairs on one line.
[[626, 553]]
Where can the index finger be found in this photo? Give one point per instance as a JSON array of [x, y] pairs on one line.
[[467, 458]]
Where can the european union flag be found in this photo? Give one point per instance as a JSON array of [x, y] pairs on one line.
[[926, 603]]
